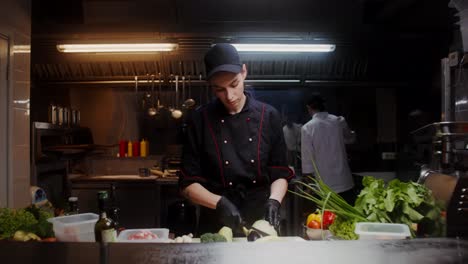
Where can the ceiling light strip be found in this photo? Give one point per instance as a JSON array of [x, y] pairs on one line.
[[272, 81], [285, 47], [112, 48]]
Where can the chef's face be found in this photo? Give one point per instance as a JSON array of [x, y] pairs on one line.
[[228, 87]]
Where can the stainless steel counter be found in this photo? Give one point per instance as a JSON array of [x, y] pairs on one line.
[[425, 251], [124, 178]]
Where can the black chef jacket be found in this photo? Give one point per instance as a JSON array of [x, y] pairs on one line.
[[234, 153]]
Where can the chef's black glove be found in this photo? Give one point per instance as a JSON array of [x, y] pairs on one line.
[[272, 212], [228, 213]]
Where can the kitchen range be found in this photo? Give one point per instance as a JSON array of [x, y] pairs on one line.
[[158, 131]]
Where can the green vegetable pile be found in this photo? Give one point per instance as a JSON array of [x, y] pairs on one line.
[[212, 237], [30, 219], [398, 202]]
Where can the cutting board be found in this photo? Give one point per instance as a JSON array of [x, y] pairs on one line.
[[244, 239]]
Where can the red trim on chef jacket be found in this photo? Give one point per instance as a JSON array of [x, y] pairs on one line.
[[186, 177], [221, 172], [259, 142], [291, 172]]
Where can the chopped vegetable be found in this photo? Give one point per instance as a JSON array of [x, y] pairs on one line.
[[226, 232], [265, 226], [143, 235], [183, 239], [25, 236], [210, 238]]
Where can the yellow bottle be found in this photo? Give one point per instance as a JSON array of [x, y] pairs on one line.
[[130, 149], [143, 152], [147, 147]]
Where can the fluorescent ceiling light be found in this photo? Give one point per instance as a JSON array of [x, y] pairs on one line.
[[21, 48], [285, 47], [136, 47], [272, 81]]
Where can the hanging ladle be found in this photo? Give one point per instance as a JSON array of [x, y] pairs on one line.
[[145, 102], [189, 103], [176, 113], [160, 106], [152, 111]]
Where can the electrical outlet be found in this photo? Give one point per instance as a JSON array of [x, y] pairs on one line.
[[388, 155]]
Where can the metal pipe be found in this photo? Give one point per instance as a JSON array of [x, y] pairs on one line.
[[447, 108]]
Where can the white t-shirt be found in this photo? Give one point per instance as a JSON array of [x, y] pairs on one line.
[[292, 137], [323, 140]]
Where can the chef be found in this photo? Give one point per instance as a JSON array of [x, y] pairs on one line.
[[234, 159]]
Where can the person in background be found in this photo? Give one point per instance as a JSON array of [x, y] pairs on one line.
[[234, 157], [323, 141], [292, 137]]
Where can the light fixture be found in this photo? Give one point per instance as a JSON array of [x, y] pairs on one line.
[[21, 48], [272, 81], [113, 48], [244, 47]]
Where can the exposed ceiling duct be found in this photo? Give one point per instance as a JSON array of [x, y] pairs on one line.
[[372, 37]]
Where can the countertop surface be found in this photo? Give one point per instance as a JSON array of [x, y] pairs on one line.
[[124, 178], [414, 251]]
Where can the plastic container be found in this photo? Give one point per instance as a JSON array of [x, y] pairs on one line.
[[381, 231], [162, 233], [75, 228], [317, 234]]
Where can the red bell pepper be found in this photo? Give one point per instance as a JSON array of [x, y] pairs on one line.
[[328, 218]]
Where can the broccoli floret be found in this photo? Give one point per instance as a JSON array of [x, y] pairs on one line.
[[210, 237]]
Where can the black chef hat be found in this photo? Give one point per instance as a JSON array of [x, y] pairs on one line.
[[222, 57]]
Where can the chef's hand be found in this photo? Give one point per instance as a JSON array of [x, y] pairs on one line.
[[228, 213], [272, 212]]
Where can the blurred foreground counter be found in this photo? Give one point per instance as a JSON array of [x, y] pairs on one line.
[[360, 252]]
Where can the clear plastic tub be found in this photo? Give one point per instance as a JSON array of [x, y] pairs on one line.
[[381, 231], [161, 233], [75, 228]]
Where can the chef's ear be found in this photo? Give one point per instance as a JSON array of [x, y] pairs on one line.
[[244, 71]]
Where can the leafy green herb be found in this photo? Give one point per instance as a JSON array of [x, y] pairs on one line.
[[344, 228], [399, 202], [31, 219]]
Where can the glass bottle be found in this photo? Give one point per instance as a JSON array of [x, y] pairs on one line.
[[104, 229], [72, 206], [114, 208]]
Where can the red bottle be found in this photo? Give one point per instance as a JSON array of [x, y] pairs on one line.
[[136, 149], [122, 148]]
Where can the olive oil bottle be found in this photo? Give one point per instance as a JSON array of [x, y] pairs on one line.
[[104, 230]]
